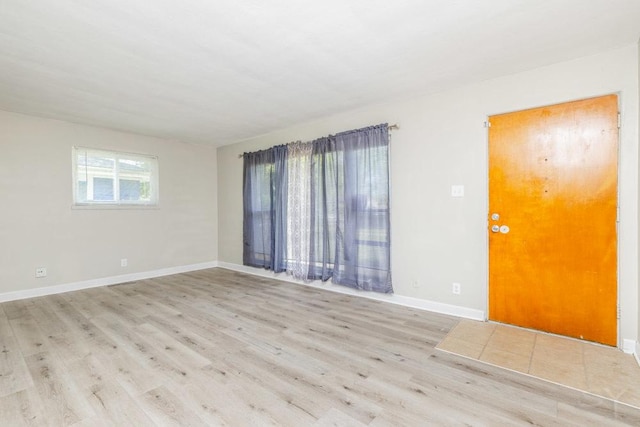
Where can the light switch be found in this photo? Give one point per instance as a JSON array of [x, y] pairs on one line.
[[457, 191]]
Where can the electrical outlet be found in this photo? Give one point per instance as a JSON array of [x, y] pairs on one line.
[[124, 262], [455, 288], [457, 190], [41, 272]]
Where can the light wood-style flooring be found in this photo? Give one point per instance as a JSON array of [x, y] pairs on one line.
[[216, 347]]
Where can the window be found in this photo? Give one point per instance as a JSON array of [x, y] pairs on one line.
[[110, 178], [320, 210]]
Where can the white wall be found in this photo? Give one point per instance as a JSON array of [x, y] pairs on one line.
[[437, 240], [38, 227]]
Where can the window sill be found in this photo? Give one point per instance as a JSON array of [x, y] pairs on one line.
[[115, 207]]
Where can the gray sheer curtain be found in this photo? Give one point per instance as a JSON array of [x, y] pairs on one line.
[[346, 228], [350, 210], [265, 209], [279, 227]]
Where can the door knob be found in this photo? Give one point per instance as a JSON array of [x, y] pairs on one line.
[[495, 228], [504, 229]]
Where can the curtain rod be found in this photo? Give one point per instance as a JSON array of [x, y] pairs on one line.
[[390, 127]]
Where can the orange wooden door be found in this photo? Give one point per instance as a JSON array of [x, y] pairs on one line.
[[553, 183]]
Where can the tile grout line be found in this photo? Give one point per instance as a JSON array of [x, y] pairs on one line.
[[533, 349], [584, 367], [484, 347]]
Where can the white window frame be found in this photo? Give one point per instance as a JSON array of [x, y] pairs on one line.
[[154, 189]]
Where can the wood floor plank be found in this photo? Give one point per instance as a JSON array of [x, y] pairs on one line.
[[14, 374], [306, 383], [134, 377], [62, 400], [171, 347], [215, 409], [81, 336], [216, 347], [238, 399], [210, 343], [23, 408], [165, 408], [16, 309], [47, 319], [144, 306], [334, 417], [567, 414], [496, 391], [30, 338], [144, 351], [108, 398]]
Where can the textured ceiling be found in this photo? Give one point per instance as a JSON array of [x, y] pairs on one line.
[[220, 71]]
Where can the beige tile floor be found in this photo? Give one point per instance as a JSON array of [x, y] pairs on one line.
[[597, 369]]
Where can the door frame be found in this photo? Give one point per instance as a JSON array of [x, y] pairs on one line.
[[619, 338]]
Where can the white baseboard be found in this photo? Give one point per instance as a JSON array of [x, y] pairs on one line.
[[418, 303], [105, 281], [629, 346], [636, 353]]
